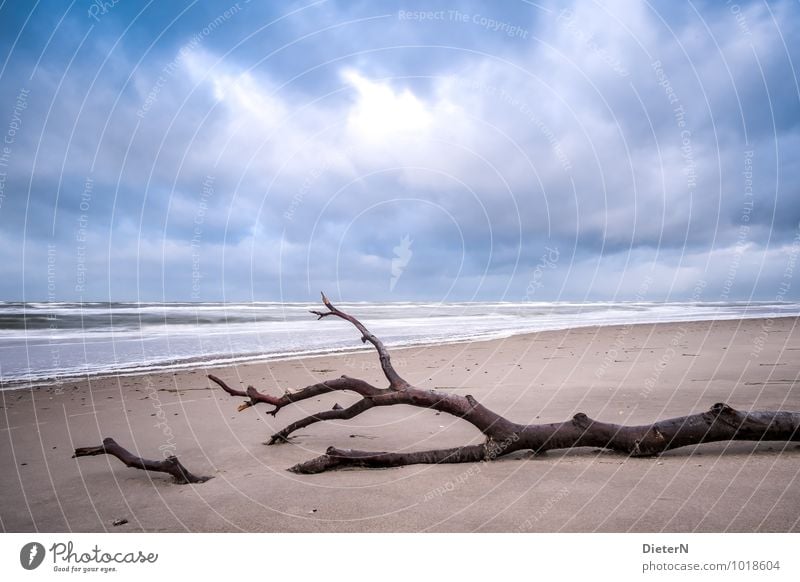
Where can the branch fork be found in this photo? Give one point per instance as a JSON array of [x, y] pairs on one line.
[[719, 423]]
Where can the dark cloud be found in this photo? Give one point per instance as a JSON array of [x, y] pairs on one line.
[[268, 152]]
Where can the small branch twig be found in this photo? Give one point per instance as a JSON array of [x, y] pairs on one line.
[[344, 383], [169, 465], [362, 405], [341, 458]]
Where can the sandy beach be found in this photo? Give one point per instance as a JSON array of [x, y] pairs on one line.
[[624, 374]]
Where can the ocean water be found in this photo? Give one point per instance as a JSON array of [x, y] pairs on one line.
[[48, 341]]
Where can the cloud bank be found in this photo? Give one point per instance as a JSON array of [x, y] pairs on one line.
[[245, 152]]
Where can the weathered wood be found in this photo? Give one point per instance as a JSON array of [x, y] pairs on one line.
[[340, 458], [395, 381], [169, 465], [720, 423]]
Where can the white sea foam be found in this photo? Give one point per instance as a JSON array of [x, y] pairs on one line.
[[43, 341]]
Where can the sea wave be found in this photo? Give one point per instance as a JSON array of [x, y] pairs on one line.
[[46, 341]]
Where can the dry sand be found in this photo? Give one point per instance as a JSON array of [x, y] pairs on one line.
[[624, 374]]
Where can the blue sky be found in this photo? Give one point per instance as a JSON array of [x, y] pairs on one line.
[[474, 151]]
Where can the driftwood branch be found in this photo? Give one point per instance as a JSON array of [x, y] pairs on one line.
[[278, 402], [169, 465], [395, 381], [720, 423]]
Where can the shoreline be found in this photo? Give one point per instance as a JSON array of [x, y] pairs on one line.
[[199, 362], [626, 374]]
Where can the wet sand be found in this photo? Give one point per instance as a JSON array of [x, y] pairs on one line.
[[623, 374]]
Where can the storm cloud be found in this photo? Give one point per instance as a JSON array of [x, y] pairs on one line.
[[399, 151]]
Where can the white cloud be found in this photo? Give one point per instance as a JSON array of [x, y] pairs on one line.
[[381, 114]]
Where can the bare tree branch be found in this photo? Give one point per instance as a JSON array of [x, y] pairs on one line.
[[340, 458], [337, 414], [395, 381], [169, 465], [344, 383], [720, 423]]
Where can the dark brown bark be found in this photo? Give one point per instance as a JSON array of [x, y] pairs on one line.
[[339, 458], [720, 423], [169, 465], [395, 381]]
